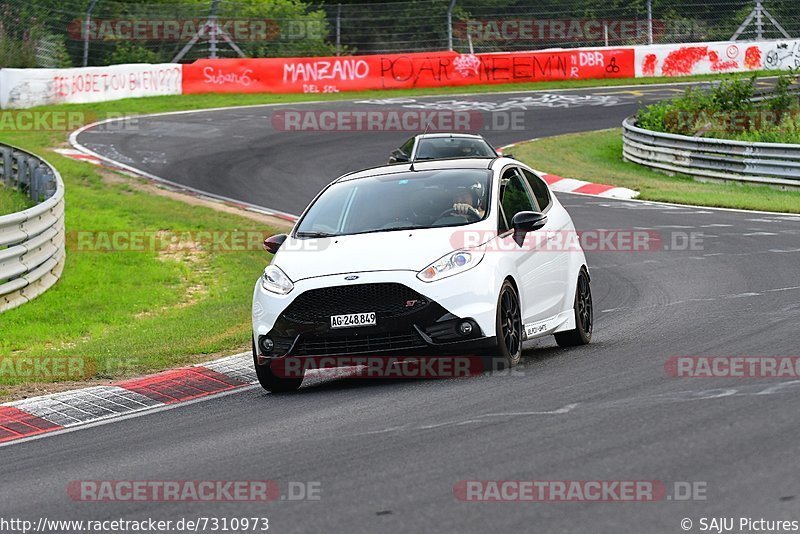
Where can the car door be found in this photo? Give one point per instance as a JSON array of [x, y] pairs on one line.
[[540, 285], [561, 237]]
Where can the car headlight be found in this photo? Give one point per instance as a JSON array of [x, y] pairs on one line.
[[275, 281], [450, 264]]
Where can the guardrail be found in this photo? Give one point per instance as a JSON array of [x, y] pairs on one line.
[[31, 241], [776, 164]]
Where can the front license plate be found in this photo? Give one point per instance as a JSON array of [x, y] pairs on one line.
[[353, 319]]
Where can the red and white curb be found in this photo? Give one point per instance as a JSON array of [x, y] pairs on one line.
[[49, 413], [557, 183], [560, 184], [77, 154]]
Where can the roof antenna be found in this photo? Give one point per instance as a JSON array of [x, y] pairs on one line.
[[427, 125]]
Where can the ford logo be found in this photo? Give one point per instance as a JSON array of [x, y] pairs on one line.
[[351, 277]]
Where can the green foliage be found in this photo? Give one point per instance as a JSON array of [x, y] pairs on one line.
[[782, 99], [51, 52], [12, 201], [299, 29], [17, 36], [728, 111], [733, 95], [128, 52], [786, 130], [16, 53]]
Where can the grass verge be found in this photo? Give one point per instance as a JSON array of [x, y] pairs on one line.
[[597, 157], [12, 200], [123, 313]]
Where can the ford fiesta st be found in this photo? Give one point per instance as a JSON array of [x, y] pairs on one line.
[[447, 257]]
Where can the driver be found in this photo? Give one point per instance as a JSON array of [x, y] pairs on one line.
[[467, 201]]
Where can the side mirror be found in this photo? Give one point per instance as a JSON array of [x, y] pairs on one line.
[[527, 221], [398, 156], [273, 243]]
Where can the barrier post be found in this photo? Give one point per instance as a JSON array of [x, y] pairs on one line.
[[450, 24], [86, 21], [759, 21], [338, 29], [212, 36]]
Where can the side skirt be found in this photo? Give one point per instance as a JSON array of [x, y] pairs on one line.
[[557, 323]]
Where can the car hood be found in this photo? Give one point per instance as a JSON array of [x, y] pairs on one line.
[[406, 250]]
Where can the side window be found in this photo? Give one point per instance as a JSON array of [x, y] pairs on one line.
[[539, 189], [407, 146], [514, 196]]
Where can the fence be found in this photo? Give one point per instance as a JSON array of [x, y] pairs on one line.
[[66, 33], [31, 241], [775, 164]]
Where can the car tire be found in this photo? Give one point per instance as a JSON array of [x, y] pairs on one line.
[[584, 317], [270, 381], [508, 331]]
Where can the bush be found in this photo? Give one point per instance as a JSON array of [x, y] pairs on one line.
[[17, 53], [127, 52], [733, 95], [728, 111], [783, 100], [51, 53]]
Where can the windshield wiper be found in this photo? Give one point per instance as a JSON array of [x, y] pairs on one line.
[[314, 234], [391, 229]]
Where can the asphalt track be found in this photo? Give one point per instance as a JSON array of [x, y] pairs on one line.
[[387, 453]]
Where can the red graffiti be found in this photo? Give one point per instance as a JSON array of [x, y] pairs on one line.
[[752, 58], [717, 65], [649, 65], [682, 61]]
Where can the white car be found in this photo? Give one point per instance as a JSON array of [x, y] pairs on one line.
[[430, 146], [447, 257]]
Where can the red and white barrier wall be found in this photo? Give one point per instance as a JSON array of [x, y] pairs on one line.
[[402, 71], [714, 58], [31, 87], [24, 88]]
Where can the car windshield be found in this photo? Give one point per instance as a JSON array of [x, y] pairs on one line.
[[453, 147], [407, 200]]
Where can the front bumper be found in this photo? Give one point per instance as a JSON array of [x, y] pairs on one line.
[[413, 317]]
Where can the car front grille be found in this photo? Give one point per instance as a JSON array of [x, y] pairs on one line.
[[385, 299], [357, 343]]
